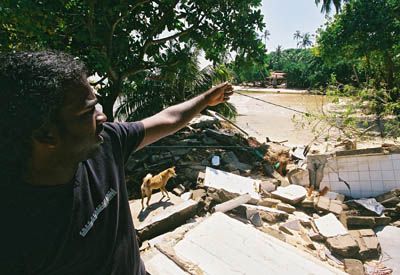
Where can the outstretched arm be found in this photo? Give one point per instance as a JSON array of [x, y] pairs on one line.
[[176, 117]]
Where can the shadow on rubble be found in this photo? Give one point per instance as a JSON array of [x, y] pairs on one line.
[[154, 206]]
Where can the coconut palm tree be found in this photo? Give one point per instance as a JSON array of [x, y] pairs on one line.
[[297, 35], [266, 35], [327, 4], [306, 40]]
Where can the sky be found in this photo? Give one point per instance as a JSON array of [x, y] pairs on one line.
[[284, 17]]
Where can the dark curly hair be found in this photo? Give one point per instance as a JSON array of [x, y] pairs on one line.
[[32, 88]]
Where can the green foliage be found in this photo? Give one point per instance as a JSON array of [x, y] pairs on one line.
[[120, 40], [149, 94]]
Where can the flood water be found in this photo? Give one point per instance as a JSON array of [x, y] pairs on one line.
[[263, 120]]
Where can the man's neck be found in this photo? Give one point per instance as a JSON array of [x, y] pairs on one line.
[[50, 172]]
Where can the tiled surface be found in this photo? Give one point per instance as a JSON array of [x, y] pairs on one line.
[[368, 175]]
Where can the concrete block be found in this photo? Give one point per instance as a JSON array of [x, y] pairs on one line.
[[291, 194], [343, 245], [162, 215]]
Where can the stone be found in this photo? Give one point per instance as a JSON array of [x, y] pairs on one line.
[[353, 267], [273, 232], [398, 207], [315, 236], [360, 221], [368, 243], [335, 207], [382, 220], [186, 196], [330, 226], [389, 241], [290, 226], [256, 219], [267, 186], [200, 178], [343, 245], [231, 184], [304, 219], [162, 215], [199, 194], [291, 194], [179, 190], [267, 214], [286, 207], [328, 205], [269, 202], [299, 176], [307, 203], [390, 198]]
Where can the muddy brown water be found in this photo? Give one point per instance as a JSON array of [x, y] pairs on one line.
[[263, 120]]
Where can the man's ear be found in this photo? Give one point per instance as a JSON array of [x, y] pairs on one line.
[[46, 135]]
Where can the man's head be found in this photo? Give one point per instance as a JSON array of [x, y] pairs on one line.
[[41, 96]]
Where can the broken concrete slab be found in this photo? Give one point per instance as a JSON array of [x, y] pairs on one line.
[[162, 215], [330, 226], [343, 245], [157, 263], [293, 225], [389, 239], [223, 245], [368, 243], [234, 184], [353, 267], [291, 194]]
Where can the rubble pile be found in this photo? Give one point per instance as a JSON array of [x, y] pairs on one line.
[[267, 185]]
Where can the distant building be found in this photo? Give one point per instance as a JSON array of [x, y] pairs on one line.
[[277, 79]]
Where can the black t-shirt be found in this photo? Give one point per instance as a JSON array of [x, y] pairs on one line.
[[84, 227]]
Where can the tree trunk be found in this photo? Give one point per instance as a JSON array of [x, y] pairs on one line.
[[389, 66], [109, 100]]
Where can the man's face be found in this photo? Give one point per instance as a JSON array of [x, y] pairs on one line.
[[81, 122]]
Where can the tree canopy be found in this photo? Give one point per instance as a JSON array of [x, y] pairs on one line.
[[119, 40]]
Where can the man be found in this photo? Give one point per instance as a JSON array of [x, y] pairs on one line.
[[64, 205]]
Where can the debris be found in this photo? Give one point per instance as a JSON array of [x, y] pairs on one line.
[[368, 243], [353, 267], [218, 235], [256, 219], [161, 216], [231, 183], [231, 204], [343, 245], [289, 226], [389, 241], [329, 226], [371, 204], [366, 222], [291, 194], [285, 207], [328, 205], [299, 176], [215, 161], [269, 202]]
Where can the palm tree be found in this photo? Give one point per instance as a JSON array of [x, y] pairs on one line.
[[266, 35], [297, 35], [306, 40], [327, 4]]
